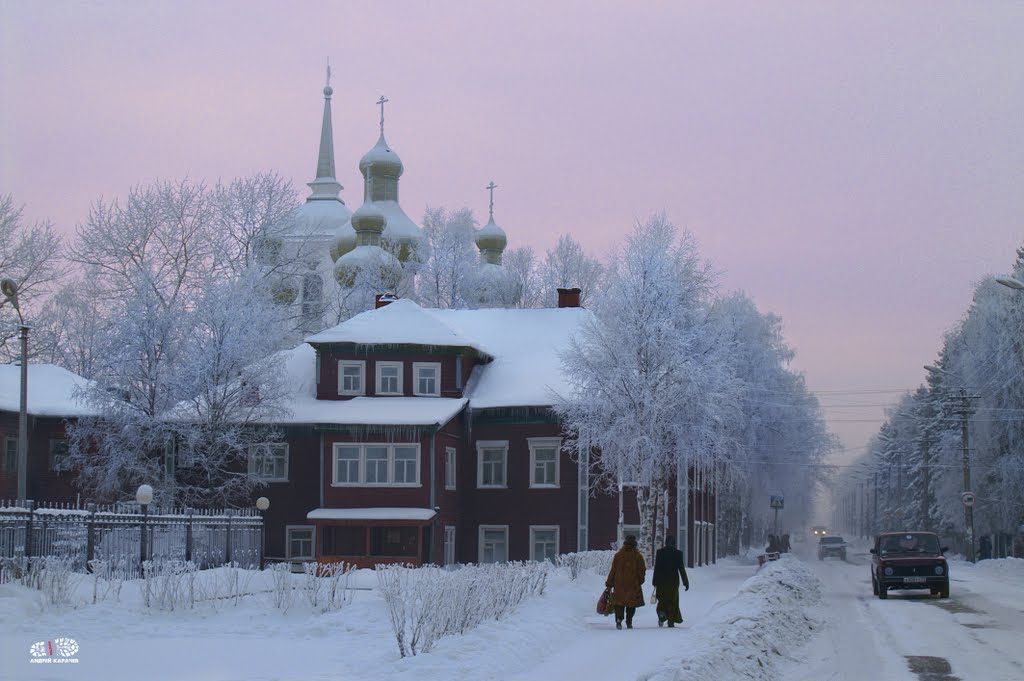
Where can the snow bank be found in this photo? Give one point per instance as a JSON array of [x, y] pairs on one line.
[[743, 637]]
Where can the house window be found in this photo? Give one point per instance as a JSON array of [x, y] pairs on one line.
[[543, 542], [269, 461], [343, 540], [376, 465], [299, 541], [426, 378], [449, 545], [389, 378], [406, 466], [59, 455], [544, 461], [449, 468], [394, 541], [351, 377], [10, 454], [493, 543], [491, 457]]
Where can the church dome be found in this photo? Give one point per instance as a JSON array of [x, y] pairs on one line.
[[344, 242], [381, 268], [381, 160], [320, 218], [491, 237], [368, 218], [490, 285]]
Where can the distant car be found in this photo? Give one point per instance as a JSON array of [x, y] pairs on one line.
[[909, 560], [819, 531], [831, 546]]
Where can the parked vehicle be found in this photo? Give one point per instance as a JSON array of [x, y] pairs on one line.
[[831, 546], [909, 560], [819, 531]]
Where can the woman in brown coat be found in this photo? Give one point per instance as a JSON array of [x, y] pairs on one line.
[[626, 580]]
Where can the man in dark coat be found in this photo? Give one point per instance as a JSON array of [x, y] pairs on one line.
[[668, 568], [626, 580]]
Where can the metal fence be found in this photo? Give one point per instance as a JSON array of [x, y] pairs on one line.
[[126, 535]]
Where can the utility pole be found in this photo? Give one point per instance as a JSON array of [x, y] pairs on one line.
[[965, 413]]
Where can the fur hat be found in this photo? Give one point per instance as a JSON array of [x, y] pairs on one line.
[[630, 540], [670, 540]]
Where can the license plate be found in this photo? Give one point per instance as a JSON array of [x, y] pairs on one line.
[[913, 580]]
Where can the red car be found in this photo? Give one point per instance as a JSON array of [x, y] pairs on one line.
[[909, 560]]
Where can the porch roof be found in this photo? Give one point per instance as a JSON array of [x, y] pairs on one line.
[[407, 514]]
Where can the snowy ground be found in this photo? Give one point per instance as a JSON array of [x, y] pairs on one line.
[[551, 637], [976, 634], [795, 620]]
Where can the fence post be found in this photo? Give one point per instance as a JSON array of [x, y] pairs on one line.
[[227, 543], [28, 532], [188, 536], [90, 541]]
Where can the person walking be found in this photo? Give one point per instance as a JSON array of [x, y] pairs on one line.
[[668, 568], [626, 580]]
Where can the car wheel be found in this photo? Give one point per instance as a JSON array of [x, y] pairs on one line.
[[944, 591], [874, 586], [883, 591]]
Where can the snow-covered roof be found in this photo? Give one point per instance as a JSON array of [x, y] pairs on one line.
[[403, 322], [399, 225], [300, 376], [525, 345], [52, 390], [416, 514]]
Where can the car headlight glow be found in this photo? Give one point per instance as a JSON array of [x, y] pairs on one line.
[[939, 569], [888, 572]]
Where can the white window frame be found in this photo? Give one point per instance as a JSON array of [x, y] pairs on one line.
[[362, 446], [392, 365], [451, 459], [416, 366], [481, 445], [342, 363], [545, 443], [270, 446], [288, 540], [480, 538], [544, 528], [449, 545]]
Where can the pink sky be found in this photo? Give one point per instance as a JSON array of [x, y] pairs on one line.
[[854, 167]]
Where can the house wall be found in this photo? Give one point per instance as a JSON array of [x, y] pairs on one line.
[[290, 501], [43, 484]]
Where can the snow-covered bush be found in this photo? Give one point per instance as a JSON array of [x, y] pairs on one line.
[[108, 578], [168, 584], [427, 603], [282, 590], [596, 561]]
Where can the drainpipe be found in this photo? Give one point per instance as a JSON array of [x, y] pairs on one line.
[[433, 491]]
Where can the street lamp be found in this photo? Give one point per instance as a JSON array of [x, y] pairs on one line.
[[144, 495], [10, 291], [262, 504], [964, 412]]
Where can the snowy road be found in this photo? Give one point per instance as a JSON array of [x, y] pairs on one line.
[[975, 634]]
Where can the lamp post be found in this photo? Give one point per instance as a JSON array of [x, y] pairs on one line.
[[10, 291], [262, 504], [144, 495], [964, 412]]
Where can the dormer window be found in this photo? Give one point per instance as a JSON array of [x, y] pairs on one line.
[[426, 378], [351, 377], [389, 378]]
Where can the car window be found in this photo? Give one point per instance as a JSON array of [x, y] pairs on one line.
[[910, 542], [831, 540]]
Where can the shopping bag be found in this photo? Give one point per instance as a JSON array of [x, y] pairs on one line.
[[603, 606], [654, 596]]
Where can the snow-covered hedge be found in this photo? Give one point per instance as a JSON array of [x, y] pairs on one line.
[[427, 603], [744, 636], [597, 561]]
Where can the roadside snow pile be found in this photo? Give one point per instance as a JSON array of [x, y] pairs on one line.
[[744, 635], [1003, 569]]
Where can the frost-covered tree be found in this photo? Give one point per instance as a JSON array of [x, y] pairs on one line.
[[521, 264], [30, 254], [448, 257], [651, 385], [568, 266], [179, 318]]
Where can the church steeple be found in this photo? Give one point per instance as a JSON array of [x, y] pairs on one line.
[[325, 186], [491, 239]]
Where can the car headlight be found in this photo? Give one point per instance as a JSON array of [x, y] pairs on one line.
[[939, 569], [888, 572]]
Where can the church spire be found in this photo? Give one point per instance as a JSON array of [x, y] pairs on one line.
[[491, 239], [325, 186]]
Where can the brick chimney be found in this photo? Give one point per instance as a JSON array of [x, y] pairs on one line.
[[568, 297], [383, 299]]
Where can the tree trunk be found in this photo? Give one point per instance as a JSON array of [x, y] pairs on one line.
[[647, 505], [661, 518]]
